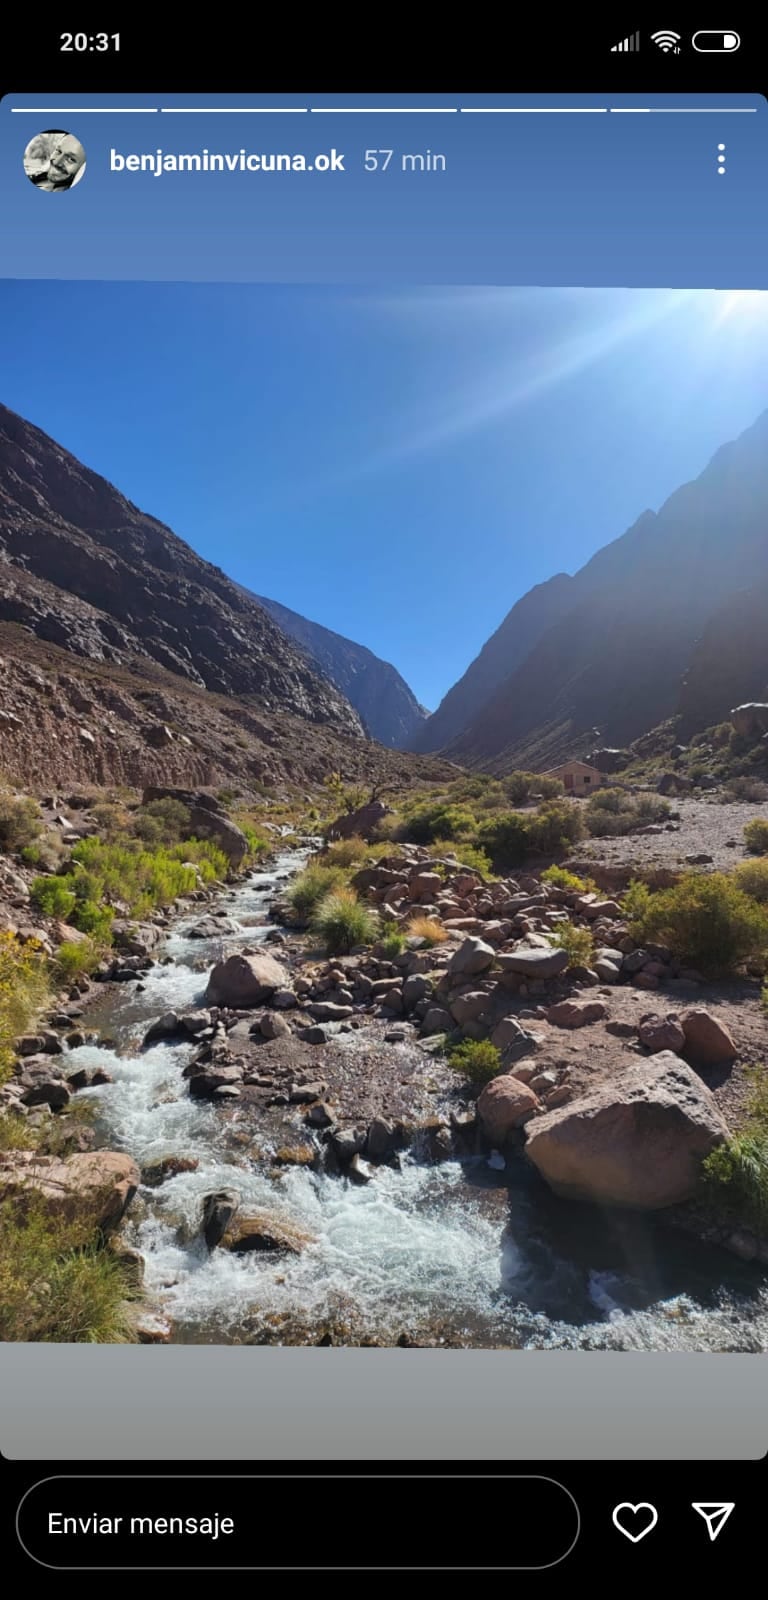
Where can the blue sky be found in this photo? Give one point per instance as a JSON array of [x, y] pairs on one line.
[[399, 465]]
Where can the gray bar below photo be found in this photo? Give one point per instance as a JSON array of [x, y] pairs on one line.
[[107, 1403]]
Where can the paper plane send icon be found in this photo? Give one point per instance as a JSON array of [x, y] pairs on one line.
[[715, 1514]]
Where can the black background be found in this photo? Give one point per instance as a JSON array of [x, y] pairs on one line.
[[296, 1513]]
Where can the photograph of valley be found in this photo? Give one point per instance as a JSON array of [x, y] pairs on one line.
[[384, 817]]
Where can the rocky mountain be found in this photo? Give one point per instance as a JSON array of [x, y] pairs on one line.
[[84, 568], [506, 649], [668, 618], [388, 708]]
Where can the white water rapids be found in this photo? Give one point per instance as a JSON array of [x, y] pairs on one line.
[[454, 1253]]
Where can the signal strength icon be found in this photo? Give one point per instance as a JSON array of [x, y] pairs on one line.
[[667, 41], [630, 43]]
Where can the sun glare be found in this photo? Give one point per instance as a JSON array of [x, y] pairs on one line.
[[740, 302]]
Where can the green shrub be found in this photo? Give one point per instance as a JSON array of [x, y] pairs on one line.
[[577, 942], [505, 839], [311, 886], [20, 821], [392, 942], [127, 873], [756, 837], [707, 920], [752, 878], [56, 1285], [210, 860], [476, 1059], [76, 960], [441, 821], [24, 990], [340, 922], [519, 786], [53, 896], [746, 788], [163, 821], [345, 853], [735, 1179], [611, 813], [636, 903], [112, 820], [258, 846], [560, 878], [467, 855], [94, 919]]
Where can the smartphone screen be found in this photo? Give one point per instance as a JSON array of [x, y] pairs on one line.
[[384, 803]]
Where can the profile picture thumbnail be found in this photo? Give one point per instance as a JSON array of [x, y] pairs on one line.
[[54, 160]]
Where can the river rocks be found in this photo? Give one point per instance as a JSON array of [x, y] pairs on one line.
[[469, 1006], [274, 1026], [504, 1105], [205, 1084], [424, 887], [319, 1032], [303, 1094], [512, 1039], [194, 1022], [327, 1011], [437, 1020], [636, 1141], [576, 1013], [320, 1115], [95, 1187], [262, 1230], [167, 1167], [360, 1171], [284, 999], [661, 1033], [43, 1090], [132, 939], [218, 1211], [415, 988], [530, 963], [346, 1143], [382, 1139], [213, 928], [472, 957], [707, 1041], [607, 971], [166, 1027], [241, 981]]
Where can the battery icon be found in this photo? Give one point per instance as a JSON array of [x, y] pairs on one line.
[[716, 41]]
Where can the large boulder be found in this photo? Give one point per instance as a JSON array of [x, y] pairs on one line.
[[530, 963], [576, 1013], [245, 980], [95, 1187], [472, 957], [637, 1140], [707, 1040], [262, 1230], [751, 719], [208, 819], [359, 824], [504, 1105]]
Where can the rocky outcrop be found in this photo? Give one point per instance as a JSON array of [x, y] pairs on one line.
[[208, 818], [388, 708], [82, 567], [636, 1141], [751, 720], [95, 1187], [610, 646], [359, 824]]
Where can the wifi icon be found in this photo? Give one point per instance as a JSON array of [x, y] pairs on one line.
[[667, 41]]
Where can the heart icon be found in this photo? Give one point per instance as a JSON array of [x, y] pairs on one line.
[[635, 1521]]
